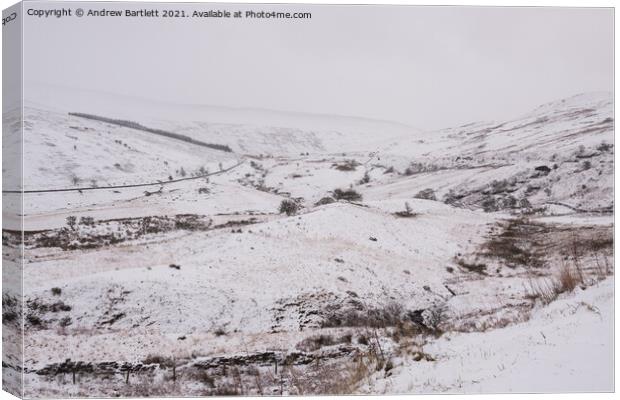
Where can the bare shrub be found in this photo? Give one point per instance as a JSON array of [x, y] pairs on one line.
[[407, 213], [436, 317], [42, 307], [568, 279], [71, 221], [542, 289], [88, 221], [418, 167], [348, 195], [219, 331], [426, 194], [548, 289], [288, 207], [34, 320], [347, 165]]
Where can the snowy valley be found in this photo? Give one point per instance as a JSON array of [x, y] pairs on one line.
[[310, 254]]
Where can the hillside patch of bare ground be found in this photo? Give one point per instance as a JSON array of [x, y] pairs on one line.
[[547, 260]]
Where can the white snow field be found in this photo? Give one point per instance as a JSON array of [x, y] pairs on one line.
[[198, 250], [565, 347]]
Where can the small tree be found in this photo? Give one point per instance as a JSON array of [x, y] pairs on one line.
[[71, 221], [289, 207], [407, 213], [436, 316]]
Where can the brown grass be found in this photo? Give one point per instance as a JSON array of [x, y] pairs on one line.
[[549, 288], [519, 244]]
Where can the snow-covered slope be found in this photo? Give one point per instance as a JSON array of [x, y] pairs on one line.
[[557, 127], [565, 347], [64, 151], [346, 234], [245, 130], [243, 276], [561, 152]]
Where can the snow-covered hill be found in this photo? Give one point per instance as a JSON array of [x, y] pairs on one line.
[[358, 256], [64, 151], [246, 130], [561, 152]]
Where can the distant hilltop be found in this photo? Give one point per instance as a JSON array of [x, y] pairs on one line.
[[137, 126]]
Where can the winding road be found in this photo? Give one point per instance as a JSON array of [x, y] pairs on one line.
[[160, 183]]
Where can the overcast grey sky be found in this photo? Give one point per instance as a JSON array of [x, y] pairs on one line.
[[429, 67]]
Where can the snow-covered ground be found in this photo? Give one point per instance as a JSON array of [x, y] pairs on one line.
[[566, 346], [409, 262]]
